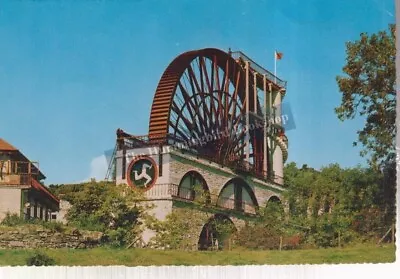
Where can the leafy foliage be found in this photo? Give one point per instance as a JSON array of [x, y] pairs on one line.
[[102, 206], [40, 259], [179, 230], [266, 231], [15, 220], [368, 89], [334, 202]]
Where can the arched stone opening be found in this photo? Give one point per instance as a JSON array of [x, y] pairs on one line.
[[237, 195], [193, 186], [274, 199], [217, 233], [275, 207]]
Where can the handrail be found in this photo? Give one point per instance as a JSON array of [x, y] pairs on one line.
[[179, 143], [17, 167], [15, 179], [188, 194], [259, 69]]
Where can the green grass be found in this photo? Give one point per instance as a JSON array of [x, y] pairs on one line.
[[146, 257]]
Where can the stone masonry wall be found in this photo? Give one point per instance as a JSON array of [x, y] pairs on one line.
[[32, 236], [216, 177], [198, 220]]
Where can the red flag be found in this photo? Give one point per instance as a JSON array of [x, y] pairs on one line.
[[278, 55]]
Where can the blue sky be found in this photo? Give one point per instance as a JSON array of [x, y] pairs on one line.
[[71, 73]]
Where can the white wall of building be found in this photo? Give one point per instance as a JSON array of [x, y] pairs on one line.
[[61, 214], [160, 211], [152, 152], [10, 201], [278, 165]]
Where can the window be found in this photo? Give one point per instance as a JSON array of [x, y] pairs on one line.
[[28, 213], [237, 195], [188, 185], [35, 210], [160, 162]]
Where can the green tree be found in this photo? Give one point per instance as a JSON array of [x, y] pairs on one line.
[[385, 197], [368, 90], [265, 231], [114, 210], [301, 184], [336, 201], [179, 230]]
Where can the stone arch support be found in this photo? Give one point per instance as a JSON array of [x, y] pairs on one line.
[[236, 194], [187, 188], [264, 195], [217, 232], [213, 180]]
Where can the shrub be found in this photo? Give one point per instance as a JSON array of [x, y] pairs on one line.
[[256, 236], [178, 230], [266, 230], [40, 259], [12, 220], [53, 226], [87, 222], [113, 210], [117, 237]]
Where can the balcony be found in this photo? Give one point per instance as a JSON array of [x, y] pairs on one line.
[[18, 172], [238, 55], [127, 141], [15, 180], [24, 174], [211, 201], [206, 200]]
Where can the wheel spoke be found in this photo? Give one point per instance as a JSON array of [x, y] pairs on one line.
[[191, 127], [202, 93], [188, 101]]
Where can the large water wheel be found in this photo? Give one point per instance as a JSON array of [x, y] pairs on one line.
[[201, 100]]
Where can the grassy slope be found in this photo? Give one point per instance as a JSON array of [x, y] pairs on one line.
[[145, 257]]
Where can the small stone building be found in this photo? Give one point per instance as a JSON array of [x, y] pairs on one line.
[[168, 175], [21, 189]]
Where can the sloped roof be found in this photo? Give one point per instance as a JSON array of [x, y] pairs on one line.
[[38, 186], [5, 146]]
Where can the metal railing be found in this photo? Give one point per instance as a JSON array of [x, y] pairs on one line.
[[181, 192], [159, 191], [18, 167], [180, 144], [125, 140], [225, 203], [259, 69], [18, 172], [15, 179], [260, 174], [131, 141]]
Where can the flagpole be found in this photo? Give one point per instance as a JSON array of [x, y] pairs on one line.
[[275, 67]]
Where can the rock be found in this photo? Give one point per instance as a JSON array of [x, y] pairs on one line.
[[76, 232], [16, 244], [29, 236]]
